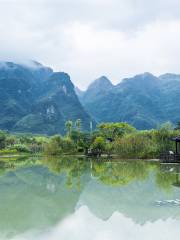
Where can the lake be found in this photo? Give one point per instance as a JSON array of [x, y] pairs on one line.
[[71, 198]]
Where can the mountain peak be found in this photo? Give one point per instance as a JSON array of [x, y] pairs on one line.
[[31, 65], [146, 80], [100, 86], [170, 77], [100, 83], [146, 75], [59, 80]]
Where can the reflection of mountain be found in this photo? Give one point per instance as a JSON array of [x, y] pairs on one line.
[[84, 225], [138, 201], [34, 198]]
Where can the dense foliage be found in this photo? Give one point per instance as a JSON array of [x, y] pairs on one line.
[[109, 139]]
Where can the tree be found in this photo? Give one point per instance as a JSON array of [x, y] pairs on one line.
[[99, 144], [57, 139], [78, 125], [113, 130], [68, 146], [68, 126], [84, 142], [54, 146], [10, 140], [2, 139], [109, 148]]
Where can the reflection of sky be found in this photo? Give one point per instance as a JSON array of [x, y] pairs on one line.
[[83, 225]]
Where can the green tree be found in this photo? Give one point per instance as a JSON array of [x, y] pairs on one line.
[[2, 139], [99, 144], [109, 147], [68, 126], [54, 146], [68, 146], [78, 125], [113, 130]]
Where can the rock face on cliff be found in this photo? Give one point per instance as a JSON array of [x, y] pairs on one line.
[[35, 99]]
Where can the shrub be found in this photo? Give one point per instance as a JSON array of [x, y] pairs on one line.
[[99, 144], [52, 148], [20, 148], [137, 145], [68, 146], [8, 151]]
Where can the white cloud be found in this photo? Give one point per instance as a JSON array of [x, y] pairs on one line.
[[118, 55], [88, 38]]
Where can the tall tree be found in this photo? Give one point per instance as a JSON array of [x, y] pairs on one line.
[[68, 126], [78, 125]]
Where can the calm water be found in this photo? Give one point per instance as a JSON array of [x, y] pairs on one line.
[[65, 199]]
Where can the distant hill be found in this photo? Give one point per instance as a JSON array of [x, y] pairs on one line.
[[100, 86], [144, 101], [35, 99]]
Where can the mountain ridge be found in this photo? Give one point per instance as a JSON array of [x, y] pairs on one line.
[[145, 101], [38, 100]]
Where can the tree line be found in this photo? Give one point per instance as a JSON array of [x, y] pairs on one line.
[[109, 139]]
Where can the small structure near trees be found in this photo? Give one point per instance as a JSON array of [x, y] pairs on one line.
[[172, 156]]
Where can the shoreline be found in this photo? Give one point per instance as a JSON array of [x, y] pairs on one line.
[[103, 157]]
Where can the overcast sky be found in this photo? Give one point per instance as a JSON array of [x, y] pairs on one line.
[[90, 38]]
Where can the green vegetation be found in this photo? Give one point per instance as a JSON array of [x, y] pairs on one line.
[[119, 139], [21, 143]]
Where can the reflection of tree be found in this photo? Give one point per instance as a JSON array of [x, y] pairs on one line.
[[121, 173], [168, 176], [118, 173], [13, 163], [2, 169], [111, 173], [73, 167], [165, 180]]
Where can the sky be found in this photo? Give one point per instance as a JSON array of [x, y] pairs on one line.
[[91, 38]]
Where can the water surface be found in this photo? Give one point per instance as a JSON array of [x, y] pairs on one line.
[[70, 198]]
